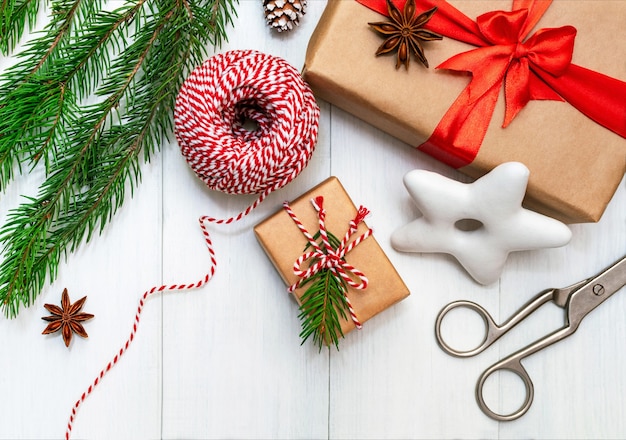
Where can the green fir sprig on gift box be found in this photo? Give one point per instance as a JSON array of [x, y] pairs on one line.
[[89, 99], [328, 277], [323, 303]]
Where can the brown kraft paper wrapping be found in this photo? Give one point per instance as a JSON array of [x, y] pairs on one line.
[[575, 164], [284, 243]]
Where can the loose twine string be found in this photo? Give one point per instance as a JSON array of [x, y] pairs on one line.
[[212, 109]]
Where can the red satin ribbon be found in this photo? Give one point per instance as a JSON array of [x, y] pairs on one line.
[[537, 67]]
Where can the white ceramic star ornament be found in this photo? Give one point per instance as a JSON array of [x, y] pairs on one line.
[[479, 223]]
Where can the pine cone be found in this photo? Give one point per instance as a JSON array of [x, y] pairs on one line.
[[283, 14]]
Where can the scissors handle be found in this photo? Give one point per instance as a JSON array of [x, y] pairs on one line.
[[493, 331], [512, 364]]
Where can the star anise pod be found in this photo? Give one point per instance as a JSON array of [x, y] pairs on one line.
[[66, 318], [405, 32]]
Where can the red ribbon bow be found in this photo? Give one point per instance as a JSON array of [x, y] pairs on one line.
[[538, 67], [328, 257], [510, 61]]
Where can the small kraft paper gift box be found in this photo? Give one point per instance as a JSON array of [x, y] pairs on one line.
[[283, 237], [531, 81]]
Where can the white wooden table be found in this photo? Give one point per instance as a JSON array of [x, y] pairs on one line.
[[225, 361]]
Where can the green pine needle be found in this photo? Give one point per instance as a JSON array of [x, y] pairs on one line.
[[91, 97], [323, 304], [15, 17]]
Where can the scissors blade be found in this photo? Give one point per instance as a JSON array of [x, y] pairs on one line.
[[595, 290]]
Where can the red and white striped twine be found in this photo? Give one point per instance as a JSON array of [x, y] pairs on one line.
[[212, 109], [215, 102], [330, 258]]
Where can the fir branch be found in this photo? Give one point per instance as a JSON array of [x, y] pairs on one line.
[[29, 89], [92, 150], [323, 304], [15, 17]]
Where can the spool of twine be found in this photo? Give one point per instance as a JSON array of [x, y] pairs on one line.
[[246, 123], [212, 109]]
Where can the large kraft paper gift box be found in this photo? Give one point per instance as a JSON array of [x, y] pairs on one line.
[[575, 163], [283, 242]]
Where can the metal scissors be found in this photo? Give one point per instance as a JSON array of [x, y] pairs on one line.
[[577, 301]]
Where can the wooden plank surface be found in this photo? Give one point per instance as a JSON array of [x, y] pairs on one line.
[[225, 361]]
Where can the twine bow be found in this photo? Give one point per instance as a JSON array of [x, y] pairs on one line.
[[326, 257]]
